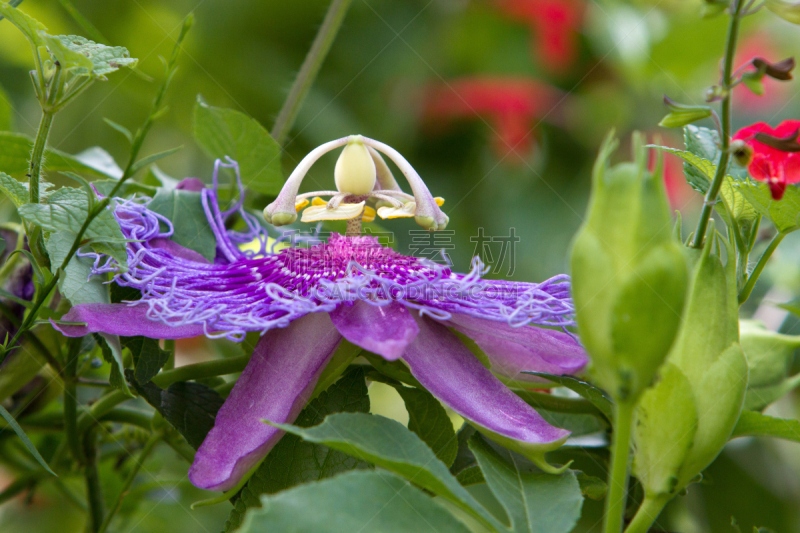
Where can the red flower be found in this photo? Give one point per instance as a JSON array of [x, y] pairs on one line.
[[554, 24], [510, 105], [769, 163]]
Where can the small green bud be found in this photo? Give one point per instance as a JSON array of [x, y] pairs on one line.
[[707, 357], [742, 153], [681, 114], [629, 275]]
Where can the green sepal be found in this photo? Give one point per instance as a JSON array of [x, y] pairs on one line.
[[629, 274]]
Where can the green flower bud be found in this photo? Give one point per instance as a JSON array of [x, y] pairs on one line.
[[686, 419], [629, 275], [769, 356]]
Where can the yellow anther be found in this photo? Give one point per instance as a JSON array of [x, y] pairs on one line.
[[368, 215], [315, 213], [318, 201], [407, 210], [439, 201], [300, 204]]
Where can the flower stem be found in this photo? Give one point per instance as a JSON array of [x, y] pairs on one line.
[[94, 491], [71, 400], [762, 262], [209, 369], [647, 514], [310, 68], [146, 450], [724, 156], [618, 472], [37, 155]]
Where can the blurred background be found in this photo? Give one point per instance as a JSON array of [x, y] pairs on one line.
[[499, 104]]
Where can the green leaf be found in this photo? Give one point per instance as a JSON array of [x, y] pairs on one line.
[[753, 424], [596, 396], [700, 172], [148, 357], [185, 210], [66, 53], [592, 487], [355, 501], [784, 213], [226, 132], [758, 398], [663, 437], [152, 158], [15, 151], [392, 447], [29, 26], [682, 114], [189, 407], [785, 9], [112, 354], [130, 187], [67, 209], [471, 476], [120, 128], [293, 461], [88, 57], [6, 112], [464, 457], [16, 191], [535, 502], [769, 354], [428, 419], [75, 283], [25, 440]]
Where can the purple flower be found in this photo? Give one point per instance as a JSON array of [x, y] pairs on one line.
[[306, 299]]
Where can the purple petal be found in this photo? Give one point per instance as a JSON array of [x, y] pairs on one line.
[[514, 349], [122, 319], [275, 386], [386, 330], [177, 250], [444, 366], [190, 184]]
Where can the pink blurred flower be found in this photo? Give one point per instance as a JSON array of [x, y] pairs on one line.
[[679, 193], [554, 24], [511, 106], [775, 92]]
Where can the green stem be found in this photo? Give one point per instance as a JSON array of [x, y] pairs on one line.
[[618, 472], [310, 68], [560, 404], [724, 156], [208, 369], [762, 262], [37, 155], [132, 417], [94, 491], [647, 514], [71, 400], [146, 450]]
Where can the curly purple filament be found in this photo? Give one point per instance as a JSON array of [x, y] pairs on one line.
[[244, 291]]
